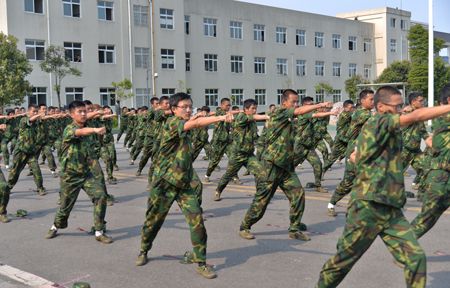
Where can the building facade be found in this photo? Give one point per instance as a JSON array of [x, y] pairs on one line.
[[209, 48]]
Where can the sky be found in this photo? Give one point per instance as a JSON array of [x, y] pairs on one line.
[[418, 8]]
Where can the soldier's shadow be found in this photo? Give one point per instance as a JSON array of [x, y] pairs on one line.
[[439, 279]]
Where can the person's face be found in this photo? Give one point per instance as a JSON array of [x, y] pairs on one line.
[[183, 110], [291, 102], [368, 102], [251, 110], [107, 111], [79, 115], [393, 106], [418, 102], [155, 104], [164, 105], [89, 108], [16, 111], [22, 110], [32, 112], [348, 108], [43, 110], [225, 106], [271, 109]]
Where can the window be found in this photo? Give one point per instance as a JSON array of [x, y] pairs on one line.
[[34, 6], [281, 35], [210, 27], [167, 59], [282, 66], [320, 67], [352, 43], [108, 96], [211, 62], [337, 96], [279, 94], [237, 97], [260, 65], [141, 57], [367, 45], [211, 97], [301, 67], [105, 10], [166, 18], [319, 95], [336, 41], [351, 69], [260, 96], [258, 32], [142, 97], [301, 93], [337, 69], [318, 39], [140, 15], [71, 8], [393, 45], [187, 24], [392, 22], [403, 25], [300, 37], [72, 51], [35, 49], [236, 30], [188, 61], [106, 54], [167, 91], [38, 96], [367, 71], [237, 64], [73, 94]]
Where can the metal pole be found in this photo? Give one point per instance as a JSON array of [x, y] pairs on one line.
[[430, 55], [152, 44]]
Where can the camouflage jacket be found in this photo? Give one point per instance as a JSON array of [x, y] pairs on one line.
[[108, 138], [343, 125], [174, 163], [379, 175], [320, 127], [199, 136], [441, 144], [245, 133], [304, 132], [74, 156], [221, 131], [279, 139], [359, 117], [160, 119], [27, 136], [413, 135], [123, 121]]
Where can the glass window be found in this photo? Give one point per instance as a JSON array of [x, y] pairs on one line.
[[211, 97], [237, 64], [337, 69], [72, 51], [258, 32], [105, 10], [237, 97], [352, 43], [260, 96], [167, 59], [392, 22], [140, 14], [187, 24], [260, 65], [404, 24], [142, 97], [106, 54], [301, 67], [73, 94], [337, 96], [301, 93], [282, 66], [188, 61], [210, 62], [320, 93], [336, 40], [393, 45], [35, 49], [38, 96], [279, 94], [34, 6], [167, 91], [281, 35], [71, 8], [142, 57], [367, 71], [320, 67], [210, 27], [367, 45], [236, 30], [318, 39], [108, 96], [166, 18], [300, 37], [351, 69]]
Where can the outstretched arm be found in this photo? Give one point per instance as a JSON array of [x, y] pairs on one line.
[[309, 108], [423, 114]]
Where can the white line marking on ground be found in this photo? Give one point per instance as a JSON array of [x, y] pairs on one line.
[[25, 277]]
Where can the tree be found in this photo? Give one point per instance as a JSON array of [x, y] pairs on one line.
[[14, 68], [327, 88], [122, 91], [396, 72], [55, 62], [351, 88]]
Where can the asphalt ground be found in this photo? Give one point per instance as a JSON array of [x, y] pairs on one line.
[[271, 260]]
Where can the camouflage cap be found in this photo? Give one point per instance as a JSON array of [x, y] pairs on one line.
[[21, 213], [81, 285]]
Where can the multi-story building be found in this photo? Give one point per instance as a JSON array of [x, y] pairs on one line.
[[210, 48]]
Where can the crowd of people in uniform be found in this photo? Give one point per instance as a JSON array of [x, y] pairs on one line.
[[379, 138]]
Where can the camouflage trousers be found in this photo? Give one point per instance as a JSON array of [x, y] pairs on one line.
[[237, 160], [58, 143], [436, 200], [132, 139], [365, 221], [345, 186], [137, 147], [323, 149], [161, 197], [20, 160], [5, 150], [128, 137], [218, 149], [198, 148], [107, 154], [413, 158], [70, 188], [123, 128], [302, 153], [327, 137], [337, 152], [46, 152], [266, 185], [4, 193], [146, 153]]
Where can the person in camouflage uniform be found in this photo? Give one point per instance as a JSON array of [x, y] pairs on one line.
[[123, 122], [359, 117], [76, 173], [44, 137], [378, 195], [107, 150], [173, 176], [245, 134], [220, 139], [436, 198], [306, 140], [412, 137], [149, 135], [10, 136], [26, 150], [4, 190], [200, 137], [322, 135], [131, 116], [339, 144], [140, 134], [277, 159]]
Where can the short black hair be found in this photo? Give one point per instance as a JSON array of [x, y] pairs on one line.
[[272, 105], [162, 98], [32, 106], [42, 105], [307, 99], [106, 107], [235, 108], [144, 108], [364, 93], [153, 100], [249, 102], [413, 96], [86, 102], [224, 99], [206, 109], [384, 94], [348, 102], [177, 98], [286, 93], [76, 104], [445, 94]]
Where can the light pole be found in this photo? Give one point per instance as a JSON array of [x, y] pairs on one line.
[[430, 55]]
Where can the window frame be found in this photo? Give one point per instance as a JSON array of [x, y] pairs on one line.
[[210, 62], [259, 32], [210, 27], [35, 48], [168, 18], [71, 4], [168, 59], [259, 62], [69, 47], [281, 35], [105, 51], [104, 5], [214, 93]]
